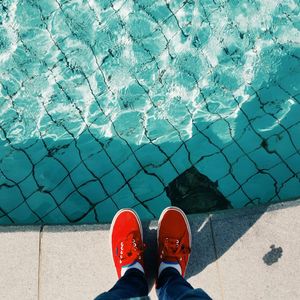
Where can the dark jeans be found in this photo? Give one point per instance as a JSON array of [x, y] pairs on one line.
[[171, 285]]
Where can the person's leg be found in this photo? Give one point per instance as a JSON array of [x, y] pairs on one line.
[[128, 256], [171, 285], [132, 284], [174, 245]]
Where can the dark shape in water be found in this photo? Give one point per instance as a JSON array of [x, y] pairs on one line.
[[194, 192]]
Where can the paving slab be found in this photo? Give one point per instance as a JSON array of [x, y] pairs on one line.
[[75, 262], [19, 263], [258, 252], [251, 253]]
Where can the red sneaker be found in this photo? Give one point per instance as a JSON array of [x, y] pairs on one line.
[[126, 239], [174, 237]]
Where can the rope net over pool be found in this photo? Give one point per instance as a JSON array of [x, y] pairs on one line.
[[143, 104]]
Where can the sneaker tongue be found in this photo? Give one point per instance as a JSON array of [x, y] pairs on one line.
[[130, 248], [171, 247], [174, 248]]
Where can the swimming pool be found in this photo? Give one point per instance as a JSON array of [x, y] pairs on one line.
[[143, 104]]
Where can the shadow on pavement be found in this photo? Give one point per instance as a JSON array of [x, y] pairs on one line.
[[204, 250]]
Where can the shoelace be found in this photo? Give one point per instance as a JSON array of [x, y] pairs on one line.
[[130, 249], [173, 248]]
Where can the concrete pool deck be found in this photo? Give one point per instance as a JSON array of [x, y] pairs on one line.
[[251, 253]]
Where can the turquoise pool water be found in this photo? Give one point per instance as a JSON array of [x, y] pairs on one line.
[[111, 104]]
